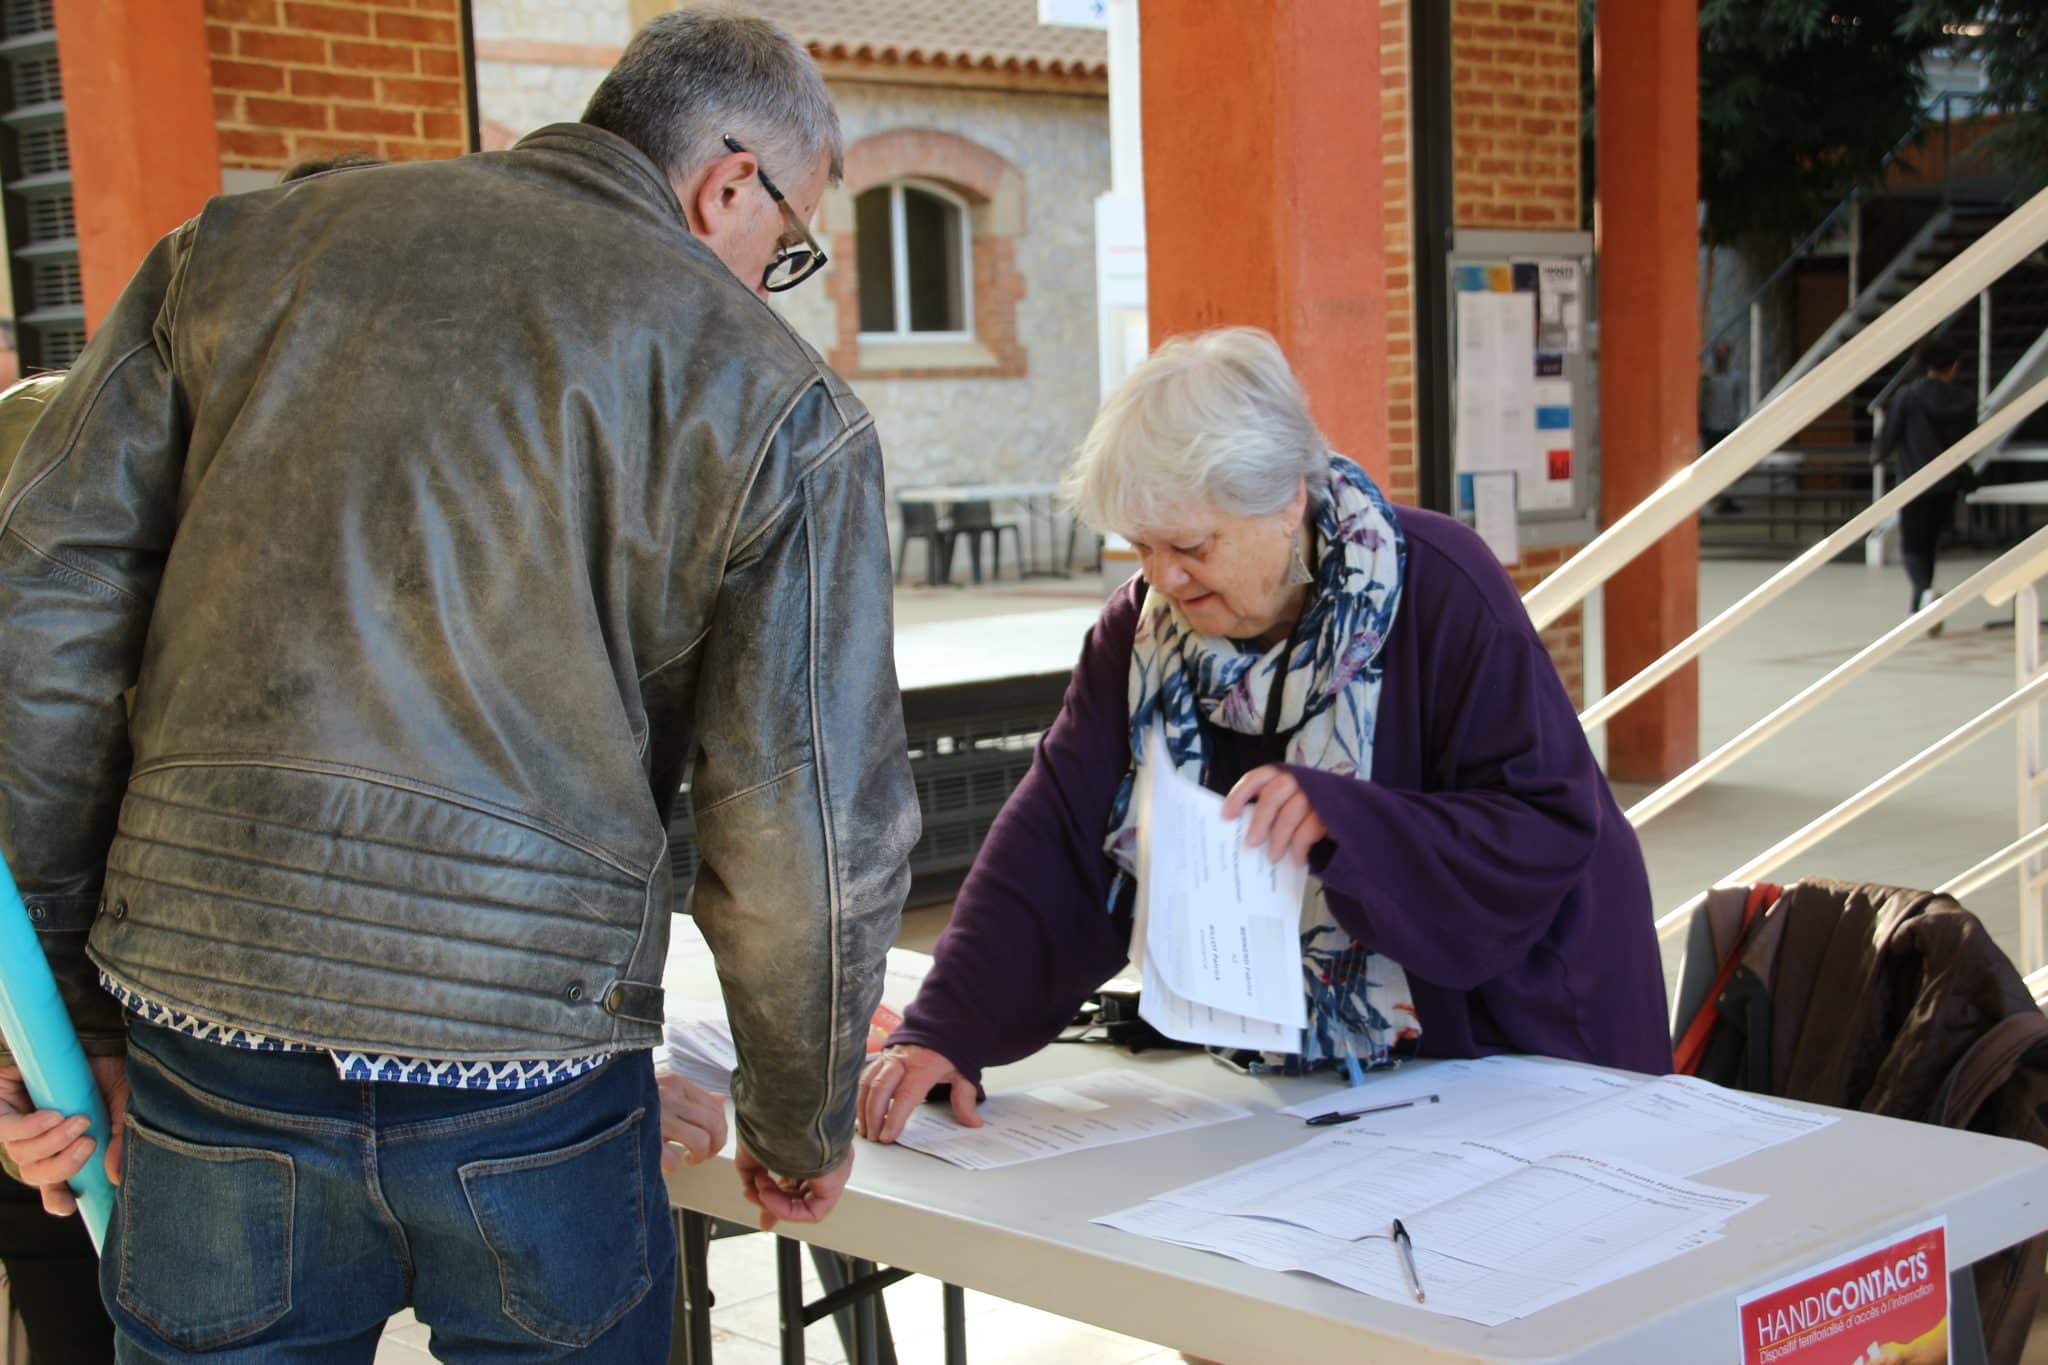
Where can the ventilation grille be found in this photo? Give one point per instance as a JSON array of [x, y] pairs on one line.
[[61, 346], [57, 284], [44, 151], [51, 219], [36, 81], [24, 17]]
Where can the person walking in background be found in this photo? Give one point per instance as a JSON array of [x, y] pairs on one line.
[[1724, 402], [1925, 418]]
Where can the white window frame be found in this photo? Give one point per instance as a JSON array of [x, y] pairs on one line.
[[899, 249]]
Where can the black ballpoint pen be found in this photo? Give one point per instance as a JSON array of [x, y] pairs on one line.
[[1407, 1250], [1329, 1120]]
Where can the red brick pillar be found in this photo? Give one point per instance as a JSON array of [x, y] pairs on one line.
[[1263, 192], [138, 115], [1646, 63]]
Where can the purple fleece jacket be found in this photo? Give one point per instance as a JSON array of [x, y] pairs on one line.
[[1486, 855]]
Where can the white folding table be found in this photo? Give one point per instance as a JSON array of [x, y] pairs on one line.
[[1023, 1233]]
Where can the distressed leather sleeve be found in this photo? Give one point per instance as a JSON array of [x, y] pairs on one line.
[[805, 810], [86, 518]]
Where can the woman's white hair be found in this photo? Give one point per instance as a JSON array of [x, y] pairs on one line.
[[1217, 419]]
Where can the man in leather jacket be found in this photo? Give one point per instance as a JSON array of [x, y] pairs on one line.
[[400, 543]]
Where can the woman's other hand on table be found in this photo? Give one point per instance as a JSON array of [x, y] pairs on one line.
[[897, 1080]]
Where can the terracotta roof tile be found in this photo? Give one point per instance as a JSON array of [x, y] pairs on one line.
[[987, 34]]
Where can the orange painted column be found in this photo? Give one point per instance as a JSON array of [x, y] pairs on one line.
[[1262, 191], [138, 115], [1646, 226]]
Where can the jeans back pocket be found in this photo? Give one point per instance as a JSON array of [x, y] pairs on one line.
[[206, 1238], [568, 1229]]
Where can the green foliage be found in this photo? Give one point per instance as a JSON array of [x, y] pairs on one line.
[[1801, 102]]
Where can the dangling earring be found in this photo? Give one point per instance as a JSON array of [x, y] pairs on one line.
[[1297, 566]]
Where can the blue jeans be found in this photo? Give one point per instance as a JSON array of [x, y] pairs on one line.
[[271, 1212]]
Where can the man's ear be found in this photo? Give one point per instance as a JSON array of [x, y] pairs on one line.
[[717, 193], [720, 191]]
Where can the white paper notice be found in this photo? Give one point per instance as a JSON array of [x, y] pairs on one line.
[[1095, 1110], [1565, 1215], [1496, 390], [1372, 1266], [1560, 316], [1493, 515], [1484, 1098], [1676, 1124], [1453, 1286], [1217, 928], [1348, 1185]]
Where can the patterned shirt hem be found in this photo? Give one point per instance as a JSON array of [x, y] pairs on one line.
[[365, 1067]]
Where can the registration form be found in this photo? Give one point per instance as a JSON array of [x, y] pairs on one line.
[[1057, 1117], [1218, 925]]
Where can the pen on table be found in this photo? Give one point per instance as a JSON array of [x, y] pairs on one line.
[[1407, 1250], [1327, 1120]]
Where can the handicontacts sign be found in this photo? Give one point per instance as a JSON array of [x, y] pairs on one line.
[[1888, 1300]]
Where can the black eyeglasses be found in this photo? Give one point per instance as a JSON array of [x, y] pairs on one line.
[[795, 260]]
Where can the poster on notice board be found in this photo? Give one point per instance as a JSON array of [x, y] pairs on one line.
[[1516, 322]]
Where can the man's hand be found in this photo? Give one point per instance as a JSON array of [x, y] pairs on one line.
[[896, 1081], [1282, 818], [690, 1116], [781, 1198], [47, 1147]]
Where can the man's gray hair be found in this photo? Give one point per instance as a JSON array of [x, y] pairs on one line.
[[693, 77], [1215, 419]]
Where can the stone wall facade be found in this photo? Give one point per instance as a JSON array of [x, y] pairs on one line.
[[1022, 418], [537, 61], [1030, 165]]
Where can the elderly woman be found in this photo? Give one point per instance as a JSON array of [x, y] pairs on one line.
[[1363, 679]]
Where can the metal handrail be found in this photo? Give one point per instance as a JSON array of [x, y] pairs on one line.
[[1999, 863], [1845, 324], [1841, 539], [1993, 583], [2023, 232], [1914, 768]]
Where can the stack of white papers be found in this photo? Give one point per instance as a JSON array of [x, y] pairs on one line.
[[1526, 1184], [1217, 931], [1496, 1236], [1095, 1110], [1677, 1125], [702, 1050], [1517, 1241]]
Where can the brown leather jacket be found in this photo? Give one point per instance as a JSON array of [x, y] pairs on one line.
[[443, 517], [1898, 1003]]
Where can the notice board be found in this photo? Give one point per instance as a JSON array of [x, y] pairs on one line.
[[1523, 364]]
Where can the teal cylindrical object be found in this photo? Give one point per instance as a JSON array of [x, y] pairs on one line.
[[45, 1046]]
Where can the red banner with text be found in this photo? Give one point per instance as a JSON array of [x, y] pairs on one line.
[[1884, 1304]]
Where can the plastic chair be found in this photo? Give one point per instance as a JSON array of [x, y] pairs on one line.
[[973, 520], [921, 522]]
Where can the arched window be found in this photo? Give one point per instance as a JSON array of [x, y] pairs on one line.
[[915, 247]]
